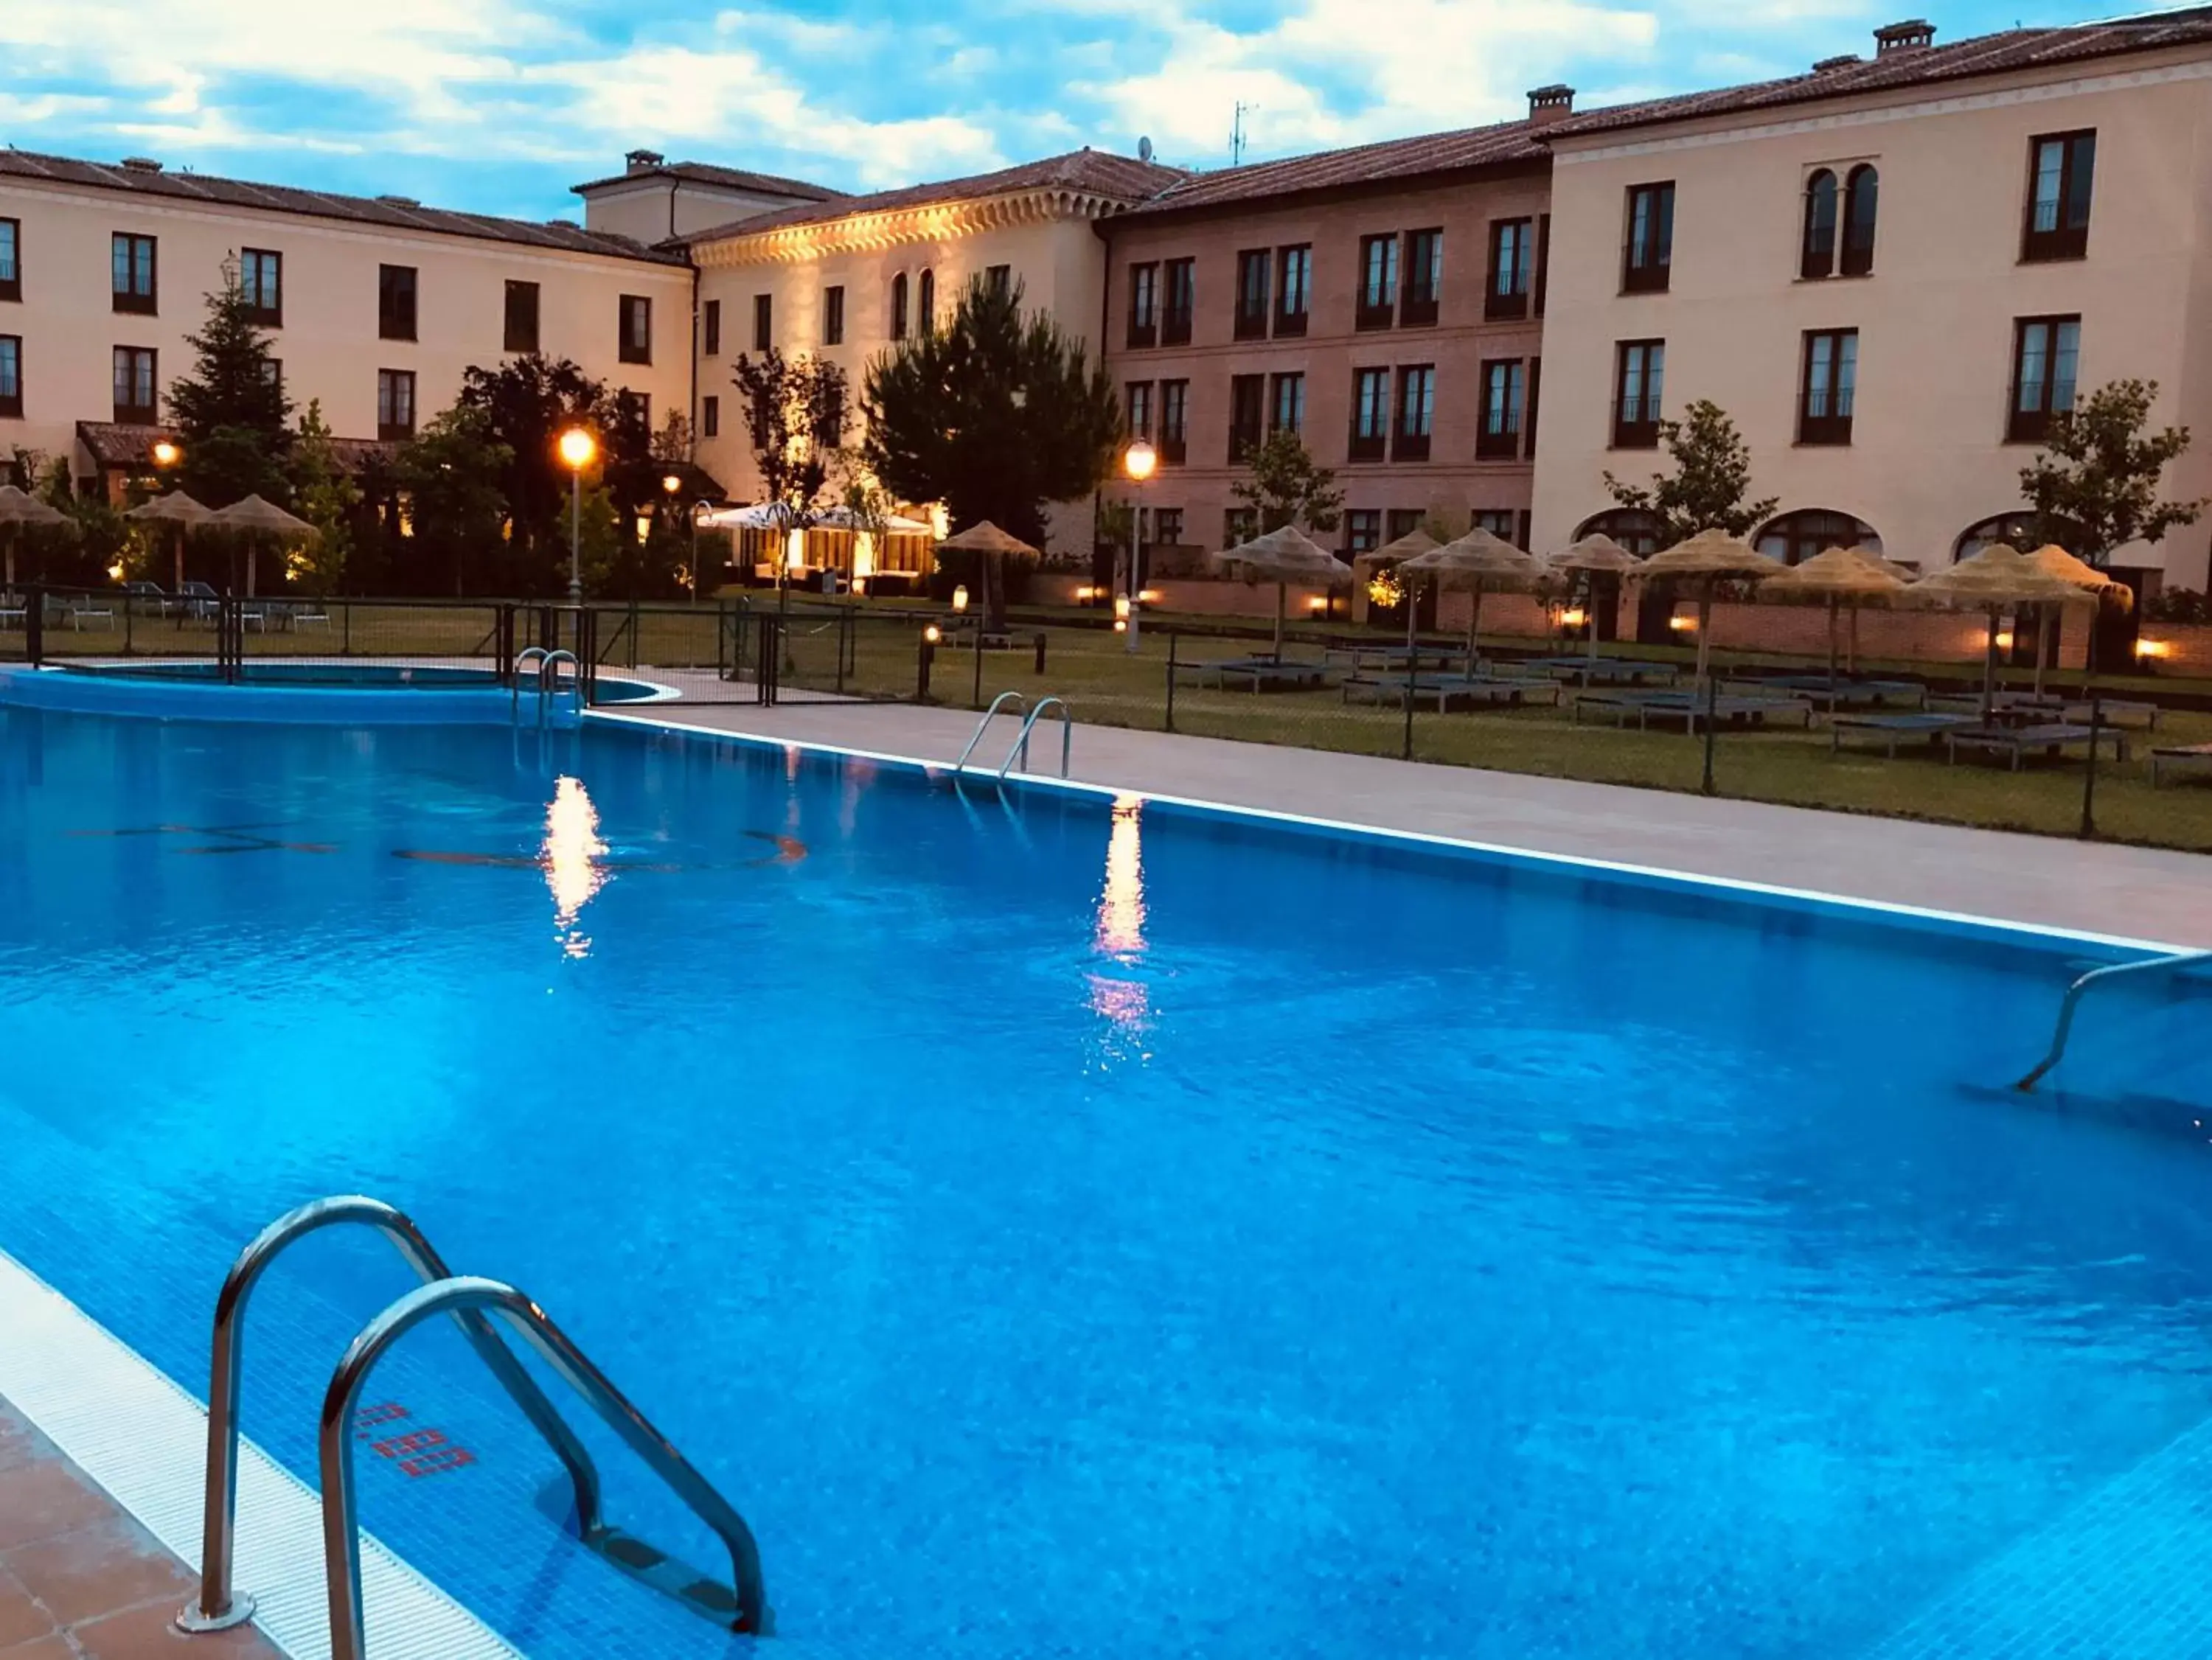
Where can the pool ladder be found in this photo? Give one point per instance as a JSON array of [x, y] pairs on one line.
[[1020, 747], [547, 681], [2172, 963], [741, 1606]]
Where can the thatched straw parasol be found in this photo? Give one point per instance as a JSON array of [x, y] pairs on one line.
[[1835, 577], [2055, 562], [1995, 581], [251, 521], [18, 508], [1595, 557], [992, 548], [1475, 561], [1708, 558], [1284, 557], [178, 509]]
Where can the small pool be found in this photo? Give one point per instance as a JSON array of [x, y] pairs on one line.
[[1078, 1227]]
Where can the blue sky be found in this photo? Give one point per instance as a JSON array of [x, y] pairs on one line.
[[499, 105]]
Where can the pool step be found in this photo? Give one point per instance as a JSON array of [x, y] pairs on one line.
[[2125, 1575]]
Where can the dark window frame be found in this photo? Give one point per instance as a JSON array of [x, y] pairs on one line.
[[764, 322], [1511, 301], [1362, 530], [710, 329], [1173, 443], [266, 317], [11, 283], [1177, 320], [1832, 426], [1290, 324], [1144, 303], [2034, 425], [1370, 312], [140, 415], [1144, 393], [1238, 525], [2062, 240], [1249, 319], [11, 403], [1528, 412], [1647, 266], [833, 314], [1248, 394], [395, 431], [710, 416], [1503, 442], [999, 280], [1405, 443], [129, 300], [1543, 259], [1642, 431], [514, 336], [628, 347], [1421, 293], [1822, 214], [1370, 447], [925, 301], [1277, 385], [1861, 188], [390, 289]]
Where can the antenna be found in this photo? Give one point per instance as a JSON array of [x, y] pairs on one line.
[[1236, 136], [1143, 149]]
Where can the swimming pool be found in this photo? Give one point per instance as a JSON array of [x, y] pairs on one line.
[[1066, 1226]]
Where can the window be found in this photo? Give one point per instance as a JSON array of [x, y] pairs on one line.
[[1252, 293], [2061, 168], [633, 410], [11, 259], [1174, 440], [1829, 379], [634, 344], [833, 315], [1293, 289], [2044, 351], [134, 274], [135, 380], [1137, 401], [395, 302], [272, 372], [1417, 409], [926, 302], [710, 417], [999, 280], [1512, 263], [1286, 403], [1796, 537], [1543, 257], [1246, 397], [1239, 525], [1362, 530], [261, 279], [1180, 303], [1650, 252], [1144, 305], [1378, 282], [764, 322], [899, 306], [1402, 522], [830, 425], [520, 333], [11, 377], [1640, 377], [1167, 526], [395, 405], [710, 327], [1817, 257], [1528, 421], [1636, 528], [1862, 195], [1498, 439], [1499, 521], [1424, 277], [1370, 414]]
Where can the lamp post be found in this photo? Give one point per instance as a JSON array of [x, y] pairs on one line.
[[167, 453], [670, 484], [1138, 462], [577, 449]]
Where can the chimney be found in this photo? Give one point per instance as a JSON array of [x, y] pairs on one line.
[[1912, 35], [1552, 103], [643, 161], [141, 164]]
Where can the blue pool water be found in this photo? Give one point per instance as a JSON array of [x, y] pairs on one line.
[[1067, 1228], [332, 672]]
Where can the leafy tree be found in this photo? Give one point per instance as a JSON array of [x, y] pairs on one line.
[[2098, 475], [672, 443], [1713, 470], [1287, 486], [84, 552], [232, 415], [449, 474], [794, 414], [995, 414], [526, 404], [324, 496]]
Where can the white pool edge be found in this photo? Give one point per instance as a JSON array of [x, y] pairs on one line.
[[1737, 886], [143, 1438]]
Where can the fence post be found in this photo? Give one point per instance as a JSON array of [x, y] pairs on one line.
[[34, 625], [1174, 635], [975, 645], [921, 668], [1406, 750], [2089, 778], [633, 634], [345, 626], [130, 615], [1713, 699], [844, 629]]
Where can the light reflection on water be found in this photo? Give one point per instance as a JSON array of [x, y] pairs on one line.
[[571, 857], [1120, 935]]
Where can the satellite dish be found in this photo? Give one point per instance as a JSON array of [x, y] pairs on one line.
[[1143, 149]]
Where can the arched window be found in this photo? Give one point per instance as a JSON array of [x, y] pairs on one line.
[[1796, 537], [1861, 190], [1819, 258], [2023, 530], [898, 307], [1635, 529], [928, 306]]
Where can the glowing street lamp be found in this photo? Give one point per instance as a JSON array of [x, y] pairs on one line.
[[577, 447], [1138, 462], [167, 453]]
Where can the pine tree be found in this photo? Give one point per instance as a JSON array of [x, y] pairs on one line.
[[231, 416]]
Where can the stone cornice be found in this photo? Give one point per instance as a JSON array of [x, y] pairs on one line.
[[890, 227]]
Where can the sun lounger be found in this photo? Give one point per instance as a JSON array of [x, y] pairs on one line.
[[2180, 757], [1846, 692], [1605, 671], [82, 614], [1448, 691], [1892, 730], [1259, 674], [2048, 737], [1688, 705]]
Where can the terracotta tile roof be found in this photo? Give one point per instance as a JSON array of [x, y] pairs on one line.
[[399, 213], [1987, 54], [1097, 173], [1396, 159], [114, 444], [705, 173]]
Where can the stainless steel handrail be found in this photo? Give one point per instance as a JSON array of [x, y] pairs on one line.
[[2096, 976], [523, 658], [341, 1530], [1022, 743], [216, 1609], [549, 682], [1020, 703]]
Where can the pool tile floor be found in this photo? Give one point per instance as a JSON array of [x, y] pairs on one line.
[[80, 1580]]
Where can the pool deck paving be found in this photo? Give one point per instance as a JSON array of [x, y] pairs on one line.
[[2097, 888]]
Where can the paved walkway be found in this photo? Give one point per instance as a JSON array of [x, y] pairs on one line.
[[2145, 893]]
